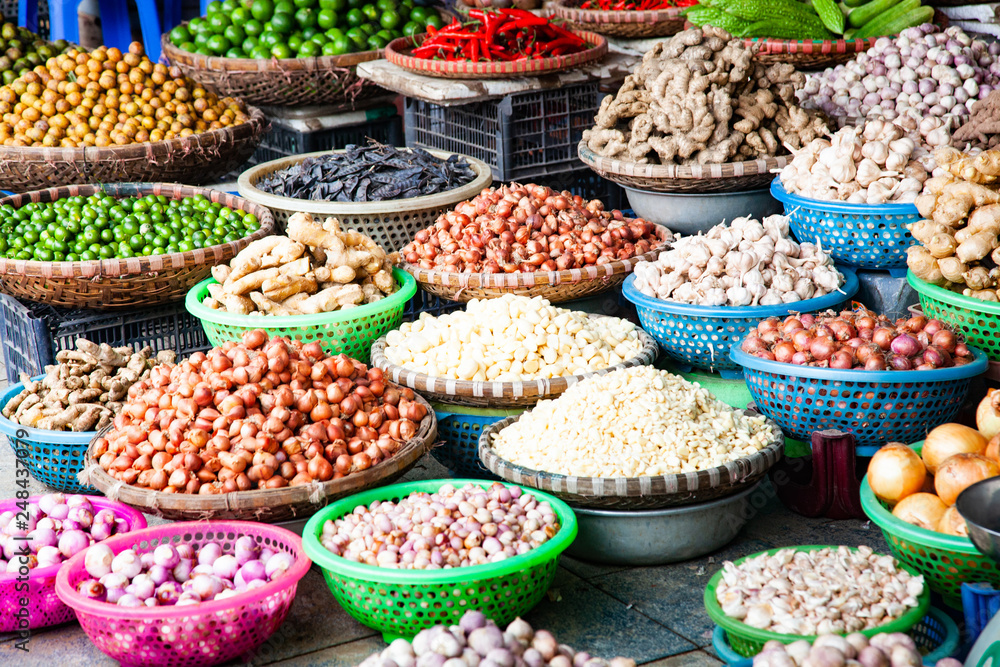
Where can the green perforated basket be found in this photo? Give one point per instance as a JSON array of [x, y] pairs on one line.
[[401, 603], [350, 331], [977, 320], [748, 641], [945, 560]]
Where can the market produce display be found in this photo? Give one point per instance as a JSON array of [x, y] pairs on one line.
[[477, 640], [895, 649], [745, 263], [701, 98], [107, 98], [98, 226], [453, 527], [317, 268], [22, 50], [375, 172], [980, 129], [859, 339], [821, 19], [869, 164], [85, 390], [511, 339], [52, 530], [959, 237], [261, 414], [932, 71], [526, 228], [674, 426], [871, 590], [180, 574], [264, 29], [921, 489]]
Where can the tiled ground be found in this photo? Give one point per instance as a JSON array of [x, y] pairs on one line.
[[652, 614]]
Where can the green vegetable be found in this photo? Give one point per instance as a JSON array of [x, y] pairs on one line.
[[760, 10], [780, 29], [894, 20], [830, 14], [869, 11], [854, 3], [701, 16]]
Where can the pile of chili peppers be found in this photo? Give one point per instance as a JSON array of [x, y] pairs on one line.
[[635, 5], [499, 35]]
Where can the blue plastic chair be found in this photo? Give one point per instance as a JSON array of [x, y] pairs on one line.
[[117, 29]]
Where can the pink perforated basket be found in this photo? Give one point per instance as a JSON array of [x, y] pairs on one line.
[[44, 607], [190, 635]]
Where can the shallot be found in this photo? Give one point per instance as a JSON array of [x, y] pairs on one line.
[[882, 650]]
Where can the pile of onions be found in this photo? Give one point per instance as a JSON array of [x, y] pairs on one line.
[[526, 228], [858, 339], [923, 489]]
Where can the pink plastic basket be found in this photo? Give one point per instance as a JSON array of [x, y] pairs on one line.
[[197, 635], [44, 606]]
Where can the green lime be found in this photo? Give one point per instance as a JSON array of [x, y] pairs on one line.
[[179, 35], [201, 38], [306, 3], [309, 32], [376, 42], [196, 25], [330, 49], [355, 18], [280, 51], [412, 28], [261, 53], [294, 42], [325, 19], [186, 46], [253, 28], [218, 23], [283, 23], [309, 49], [369, 28], [386, 5], [213, 7], [286, 6], [385, 34], [218, 44], [249, 44], [390, 19], [419, 15], [371, 11], [305, 17], [235, 52], [319, 38], [235, 34], [262, 10], [435, 21], [359, 37], [338, 6], [229, 5], [240, 15], [351, 4]]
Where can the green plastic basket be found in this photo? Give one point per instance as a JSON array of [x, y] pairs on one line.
[[749, 641], [350, 331], [401, 603], [977, 320], [946, 561]]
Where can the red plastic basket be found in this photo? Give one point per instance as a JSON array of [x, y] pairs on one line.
[[208, 633]]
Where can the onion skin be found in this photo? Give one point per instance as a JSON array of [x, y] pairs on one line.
[[988, 416], [921, 509], [950, 439], [952, 523], [961, 471], [895, 472]]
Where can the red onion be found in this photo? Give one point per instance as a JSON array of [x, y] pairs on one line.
[[784, 352], [937, 357], [905, 345], [933, 326], [962, 350], [944, 339], [883, 337], [876, 362], [807, 320], [802, 339], [802, 358], [791, 324], [822, 348], [915, 324], [842, 359], [900, 363]]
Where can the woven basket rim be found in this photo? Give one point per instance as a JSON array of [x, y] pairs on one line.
[[570, 11], [438, 386], [937, 293], [617, 487], [808, 46], [394, 53], [247, 186], [741, 169], [791, 200], [537, 278], [153, 501], [133, 265]]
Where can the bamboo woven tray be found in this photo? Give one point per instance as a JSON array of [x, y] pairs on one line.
[[694, 178], [267, 505], [636, 493], [809, 54], [397, 53], [391, 223], [627, 24], [123, 283], [200, 158], [498, 395], [555, 286], [286, 82]]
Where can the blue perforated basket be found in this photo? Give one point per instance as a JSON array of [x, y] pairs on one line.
[[459, 427], [876, 406], [700, 336], [52, 457], [861, 235]]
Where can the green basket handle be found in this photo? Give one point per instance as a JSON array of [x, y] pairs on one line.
[[991, 656]]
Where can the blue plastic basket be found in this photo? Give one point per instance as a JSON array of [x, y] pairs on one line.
[[937, 637], [700, 336], [876, 406], [52, 457], [459, 427], [861, 235]]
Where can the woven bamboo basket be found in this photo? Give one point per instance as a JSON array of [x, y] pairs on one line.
[[555, 286], [391, 223], [123, 283], [809, 53], [267, 505], [498, 395], [397, 53], [694, 178], [626, 24], [636, 493], [200, 158], [286, 82]]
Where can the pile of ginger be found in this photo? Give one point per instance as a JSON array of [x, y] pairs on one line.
[[316, 268], [702, 98]]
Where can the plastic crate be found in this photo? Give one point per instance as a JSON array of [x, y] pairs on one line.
[[521, 136], [425, 302], [33, 333]]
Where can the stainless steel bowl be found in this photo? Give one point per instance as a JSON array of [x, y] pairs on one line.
[[690, 214], [979, 505], [655, 537]]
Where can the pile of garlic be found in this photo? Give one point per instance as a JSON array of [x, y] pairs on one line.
[[745, 263], [875, 164]]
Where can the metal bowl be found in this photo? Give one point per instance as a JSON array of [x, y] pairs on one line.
[[690, 214], [655, 537], [979, 505]]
